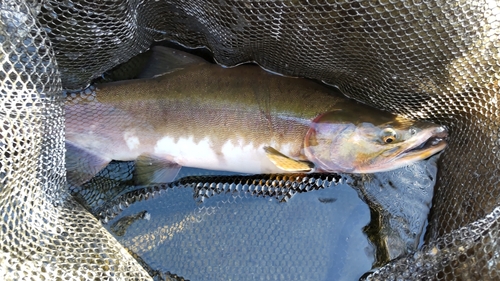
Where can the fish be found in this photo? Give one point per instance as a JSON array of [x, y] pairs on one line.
[[242, 119]]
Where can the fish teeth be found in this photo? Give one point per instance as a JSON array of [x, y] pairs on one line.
[[436, 141]]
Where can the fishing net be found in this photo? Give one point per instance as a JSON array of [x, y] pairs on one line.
[[432, 60], [45, 235]]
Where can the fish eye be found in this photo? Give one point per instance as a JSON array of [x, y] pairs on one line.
[[388, 139], [388, 135]]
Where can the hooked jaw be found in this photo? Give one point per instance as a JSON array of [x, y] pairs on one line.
[[428, 142]]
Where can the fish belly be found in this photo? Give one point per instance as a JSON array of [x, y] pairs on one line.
[[235, 155]]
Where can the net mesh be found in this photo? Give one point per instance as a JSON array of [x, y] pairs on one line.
[[44, 234], [433, 60]]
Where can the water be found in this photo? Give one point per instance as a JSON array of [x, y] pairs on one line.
[[324, 234]]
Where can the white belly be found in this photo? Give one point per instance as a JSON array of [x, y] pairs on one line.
[[233, 155]]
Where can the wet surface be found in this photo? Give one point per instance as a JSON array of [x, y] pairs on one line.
[[247, 238], [213, 231]]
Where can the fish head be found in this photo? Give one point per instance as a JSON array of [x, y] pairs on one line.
[[370, 143]]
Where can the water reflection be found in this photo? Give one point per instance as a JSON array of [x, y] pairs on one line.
[[242, 237], [240, 234]]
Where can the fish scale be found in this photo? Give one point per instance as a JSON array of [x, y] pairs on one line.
[[204, 116]]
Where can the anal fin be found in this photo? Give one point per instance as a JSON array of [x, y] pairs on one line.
[[286, 163], [150, 169], [82, 165]]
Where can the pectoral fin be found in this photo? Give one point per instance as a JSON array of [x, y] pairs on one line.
[[150, 169], [286, 163]]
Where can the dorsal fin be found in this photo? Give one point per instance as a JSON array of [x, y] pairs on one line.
[[165, 60]]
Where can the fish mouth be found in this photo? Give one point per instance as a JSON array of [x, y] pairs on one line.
[[429, 143]]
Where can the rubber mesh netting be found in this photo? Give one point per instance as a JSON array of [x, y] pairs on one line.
[[433, 60]]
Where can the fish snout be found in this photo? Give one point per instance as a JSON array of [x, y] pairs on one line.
[[440, 134]]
